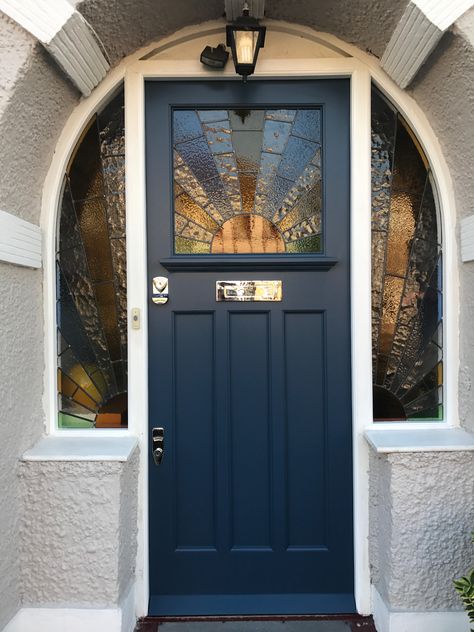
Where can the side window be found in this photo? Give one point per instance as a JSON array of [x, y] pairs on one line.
[[91, 278], [407, 312]]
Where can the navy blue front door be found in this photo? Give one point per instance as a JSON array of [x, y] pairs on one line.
[[251, 507]]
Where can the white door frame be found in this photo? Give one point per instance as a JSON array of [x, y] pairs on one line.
[[360, 68]]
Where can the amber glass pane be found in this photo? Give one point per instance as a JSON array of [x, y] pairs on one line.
[[406, 273], [265, 164], [91, 278], [247, 234]]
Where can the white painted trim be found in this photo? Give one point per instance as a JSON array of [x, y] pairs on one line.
[[410, 45], [361, 318], [417, 34], [20, 241], [467, 239], [70, 448], [440, 621], [67, 619], [360, 66], [440, 440], [66, 35], [442, 13], [41, 18]]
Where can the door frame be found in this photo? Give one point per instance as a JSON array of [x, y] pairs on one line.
[[360, 256], [361, 68]]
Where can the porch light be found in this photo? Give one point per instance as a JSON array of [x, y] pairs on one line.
[[245, 37]]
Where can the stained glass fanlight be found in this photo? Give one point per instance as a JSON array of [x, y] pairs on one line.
[[91, 278], [407, 313], [247, 181]]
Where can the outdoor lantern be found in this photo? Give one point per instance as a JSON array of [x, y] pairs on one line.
[[245, 37]]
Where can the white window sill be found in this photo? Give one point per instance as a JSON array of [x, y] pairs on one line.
[[420, 440], [82, 449]]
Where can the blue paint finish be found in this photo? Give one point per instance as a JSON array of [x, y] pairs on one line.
[[251, 509]]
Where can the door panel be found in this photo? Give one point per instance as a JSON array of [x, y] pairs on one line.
[[251, 508]]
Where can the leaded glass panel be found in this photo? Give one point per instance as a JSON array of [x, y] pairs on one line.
[[407, 314], [91, 278], [247, 181]]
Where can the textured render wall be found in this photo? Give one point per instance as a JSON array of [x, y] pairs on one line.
[[78, 532], [421, 513], [34, 103], [126, 25], [21, 416], [444, 89]]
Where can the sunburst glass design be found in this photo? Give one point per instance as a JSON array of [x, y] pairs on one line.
[[247, 181], [407, 313]]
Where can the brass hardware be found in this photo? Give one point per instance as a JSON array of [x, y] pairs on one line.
[[158, 444], [248, 290], [160, 290]]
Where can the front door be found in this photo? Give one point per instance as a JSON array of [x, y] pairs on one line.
[[249, 358]]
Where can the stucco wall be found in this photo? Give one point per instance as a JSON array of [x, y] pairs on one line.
[[78, 532], [34, 103], [421, 516]]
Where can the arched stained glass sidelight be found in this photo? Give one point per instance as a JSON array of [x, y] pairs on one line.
[[91, 278], [407, 323]]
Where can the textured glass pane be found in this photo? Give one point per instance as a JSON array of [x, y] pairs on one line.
[[91, 279], [247, 147], [275, 136], [70, 421], [106, 304], [188, 208], [95, 238], [307, 245], [85, 171], [186, 126], [261, 163], [298, 152], [119, 259], [308, 125], [112, 127], [71, 407], [406, 273], [248, 234], [114, 174], [69, 235], [218, 137], [383, 142], [198, 157], [188, 246]]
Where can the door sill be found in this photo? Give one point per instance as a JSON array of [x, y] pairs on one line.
[[241, 605], [356, 622]]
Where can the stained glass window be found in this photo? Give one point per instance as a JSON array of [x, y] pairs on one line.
[[407, 313], [91, 278], [247, 181]]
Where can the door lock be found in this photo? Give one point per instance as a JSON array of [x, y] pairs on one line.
[[160, 290], [157, 447]]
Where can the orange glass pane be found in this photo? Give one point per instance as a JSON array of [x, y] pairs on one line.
[[247, 234]]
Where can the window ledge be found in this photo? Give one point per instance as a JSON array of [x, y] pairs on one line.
[[82, 449], [420, 440]]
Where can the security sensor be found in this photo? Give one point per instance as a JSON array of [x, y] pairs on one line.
[[215, 57]]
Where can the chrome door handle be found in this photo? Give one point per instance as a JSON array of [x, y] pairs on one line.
[[158, 442]]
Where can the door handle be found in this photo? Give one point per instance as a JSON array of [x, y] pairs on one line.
[[157, 444]]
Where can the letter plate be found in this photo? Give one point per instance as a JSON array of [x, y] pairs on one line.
[[248, 290]]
